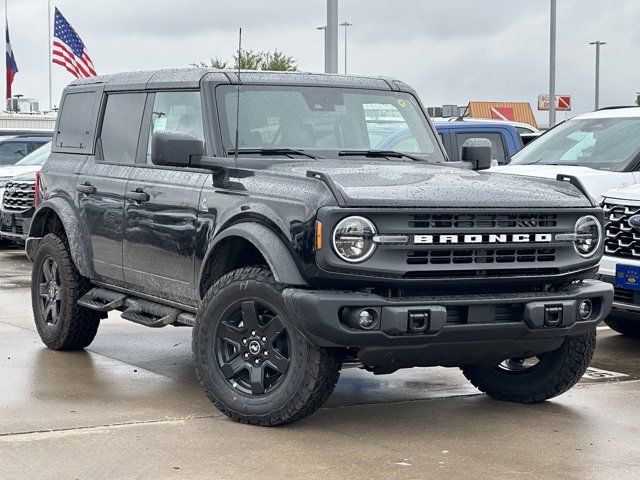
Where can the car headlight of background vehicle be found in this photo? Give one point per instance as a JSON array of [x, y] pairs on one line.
[[588, 235], [353, 239]]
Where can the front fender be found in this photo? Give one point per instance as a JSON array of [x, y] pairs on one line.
[[280, 260], [77, 238]]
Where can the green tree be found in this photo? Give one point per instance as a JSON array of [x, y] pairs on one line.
[[638, 98], [253, 60]]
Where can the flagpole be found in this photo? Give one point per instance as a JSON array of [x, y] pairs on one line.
[[49, 47]]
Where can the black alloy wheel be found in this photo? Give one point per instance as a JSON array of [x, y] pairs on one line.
[[252, 347], [49, 291]]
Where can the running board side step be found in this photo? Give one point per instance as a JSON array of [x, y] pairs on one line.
[[143, 312]]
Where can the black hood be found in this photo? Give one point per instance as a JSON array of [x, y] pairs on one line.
[[414, 184]]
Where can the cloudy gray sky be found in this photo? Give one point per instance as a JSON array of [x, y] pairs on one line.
[[450, 51]]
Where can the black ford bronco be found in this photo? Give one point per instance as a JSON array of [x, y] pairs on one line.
[[258, 209]]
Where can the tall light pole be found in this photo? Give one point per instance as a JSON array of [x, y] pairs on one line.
[[552, 65], [324, 44], [597, 43], [345, 25], [331, 42]]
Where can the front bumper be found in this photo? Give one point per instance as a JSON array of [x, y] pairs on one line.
[[15, 226], [460, 329]]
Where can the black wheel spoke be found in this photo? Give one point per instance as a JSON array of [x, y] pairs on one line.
[[54, 311], [54, 273], [256, 378], [46, 270], [234, 366], [250, 315], [230, 333], [44, 290], [274, 328], [47, 311], [278, 362]]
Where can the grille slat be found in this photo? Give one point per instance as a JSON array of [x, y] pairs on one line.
[[18, 196], [620, 239], [484, 221]]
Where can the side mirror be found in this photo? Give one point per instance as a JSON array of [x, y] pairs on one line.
[[477, 151], [175, 149]]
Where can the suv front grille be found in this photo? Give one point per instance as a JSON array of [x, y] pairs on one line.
[[480, 256], [485, 221], [18, 196], [620, 239]]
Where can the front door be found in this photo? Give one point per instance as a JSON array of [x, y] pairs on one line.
[[103, 180], [162, 206]]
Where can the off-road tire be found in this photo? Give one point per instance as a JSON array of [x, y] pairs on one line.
[[625, 326], [76, 326], [560, 370], [309, 380]]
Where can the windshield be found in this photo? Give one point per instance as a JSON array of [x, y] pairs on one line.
[[38, 156], [600, 143], [325, 120]]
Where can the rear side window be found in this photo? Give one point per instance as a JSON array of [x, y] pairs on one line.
[[76, 125], [497, 146], [121, 127]]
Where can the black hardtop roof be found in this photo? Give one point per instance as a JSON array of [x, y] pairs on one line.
[[192, 77]]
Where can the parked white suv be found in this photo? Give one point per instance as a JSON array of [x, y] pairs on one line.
[[601, 149], [620, 264]]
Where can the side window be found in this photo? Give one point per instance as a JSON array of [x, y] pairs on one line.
[[176, 112], [497, 146], [121, 127], [12, 152], [77, 122]]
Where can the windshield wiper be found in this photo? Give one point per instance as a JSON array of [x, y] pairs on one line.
[[288, 152], [379, 154]]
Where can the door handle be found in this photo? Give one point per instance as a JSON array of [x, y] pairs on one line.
[[138, 196], [86, 188]]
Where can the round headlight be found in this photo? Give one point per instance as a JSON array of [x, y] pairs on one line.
[[588, 235], [353, 239]]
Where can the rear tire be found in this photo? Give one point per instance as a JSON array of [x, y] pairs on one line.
[[252, 362], [56, 286], [625, 326], [554, 373]]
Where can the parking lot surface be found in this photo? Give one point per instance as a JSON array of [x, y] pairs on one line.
[[130, 407]]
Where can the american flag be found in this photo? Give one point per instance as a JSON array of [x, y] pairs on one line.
[[69, 50]]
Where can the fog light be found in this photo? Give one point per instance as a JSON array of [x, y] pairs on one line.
[[585, 309], [367, 319]]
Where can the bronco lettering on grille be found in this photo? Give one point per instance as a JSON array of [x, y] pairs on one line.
[[483, 238]]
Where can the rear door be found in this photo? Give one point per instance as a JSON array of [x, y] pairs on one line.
[[103, 180], [162, 205]]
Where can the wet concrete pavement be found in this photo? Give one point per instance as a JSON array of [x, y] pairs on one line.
[[130, 407]]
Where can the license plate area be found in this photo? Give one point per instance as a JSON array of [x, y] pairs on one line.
[[627, 276]]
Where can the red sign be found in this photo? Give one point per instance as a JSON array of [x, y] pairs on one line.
[[563, 102], [503, 113]]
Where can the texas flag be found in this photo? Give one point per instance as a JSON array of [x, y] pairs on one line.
[[12, 66]]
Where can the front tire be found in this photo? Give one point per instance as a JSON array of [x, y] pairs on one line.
[[625, 326], [537, 378], [56, 286], [252, 362]]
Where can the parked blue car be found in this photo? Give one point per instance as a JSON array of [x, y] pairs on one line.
[[505, 139]]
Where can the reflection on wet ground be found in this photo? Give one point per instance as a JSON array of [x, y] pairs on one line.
[[136, 386]]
